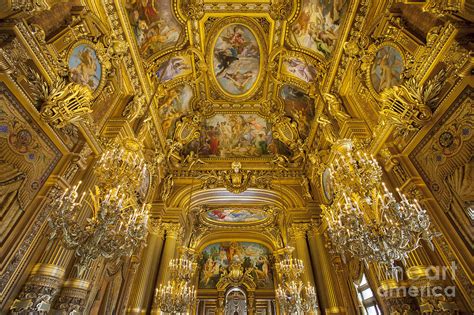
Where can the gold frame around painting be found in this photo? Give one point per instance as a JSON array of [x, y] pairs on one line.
[[100, 58], [216, 29], [324, 193], [371, 56]]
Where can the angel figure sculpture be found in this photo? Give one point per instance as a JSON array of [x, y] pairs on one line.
[[335, 108]]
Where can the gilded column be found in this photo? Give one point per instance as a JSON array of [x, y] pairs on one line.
[[44, 282], [172, 232], [437, 292], [326, 280], [142, 289], [298, 232]]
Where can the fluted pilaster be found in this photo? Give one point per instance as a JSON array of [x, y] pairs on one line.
[[326, 280], [172, 231], [143, 289]]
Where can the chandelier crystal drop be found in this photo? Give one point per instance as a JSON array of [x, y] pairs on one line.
[[366, 221], [292, 295], [119, 222], [178, 295]]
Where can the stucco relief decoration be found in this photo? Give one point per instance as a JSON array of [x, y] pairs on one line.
[[154, 25], [175, 104], [317, 27], [446, 150]]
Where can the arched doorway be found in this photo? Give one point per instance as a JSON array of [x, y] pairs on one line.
[[235, 302]]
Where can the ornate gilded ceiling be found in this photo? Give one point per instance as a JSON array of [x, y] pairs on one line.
[[235, 80]]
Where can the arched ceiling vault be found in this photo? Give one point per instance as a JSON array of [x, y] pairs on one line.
[[284, 197]]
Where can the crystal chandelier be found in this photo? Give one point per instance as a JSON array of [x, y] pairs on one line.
[[119, 223], [178, 294], [365, 220], [292, 295]]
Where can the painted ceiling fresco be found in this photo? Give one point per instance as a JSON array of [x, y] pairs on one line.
[[236, 60], [173, 106], [154, 25], [236, 135], [216, 259], [233, 215], [317, 26], [299, 106], [226, 65]]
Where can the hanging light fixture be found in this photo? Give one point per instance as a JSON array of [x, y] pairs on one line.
[[365, 220], [178, 294], [119, 223], [292, 295]]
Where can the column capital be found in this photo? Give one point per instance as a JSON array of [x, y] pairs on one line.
[[299, 230], [172, 229], [155, 226]]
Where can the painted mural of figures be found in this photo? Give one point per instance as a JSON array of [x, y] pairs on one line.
[[176, 66], [386, 69], [300, 69], [236, 59], [232, 135], [216, 260], [236, 215], [153, 24], [317, 27], [173, 106], [300, 107], [84, 66]]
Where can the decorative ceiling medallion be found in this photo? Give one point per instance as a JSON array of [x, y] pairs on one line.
[[387, 68], [85, 66], [236, 53]]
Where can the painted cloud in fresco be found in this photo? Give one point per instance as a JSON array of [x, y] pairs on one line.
[[317, 26], [216, 259], [236, 59], [153, 24]]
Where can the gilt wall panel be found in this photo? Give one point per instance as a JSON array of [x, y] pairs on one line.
[[26, 160], [444, 159]]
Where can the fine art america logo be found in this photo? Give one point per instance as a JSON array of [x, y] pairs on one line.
[[434, 274]]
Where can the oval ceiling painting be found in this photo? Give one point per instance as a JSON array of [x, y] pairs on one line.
[[236, 215], [236, 61]]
